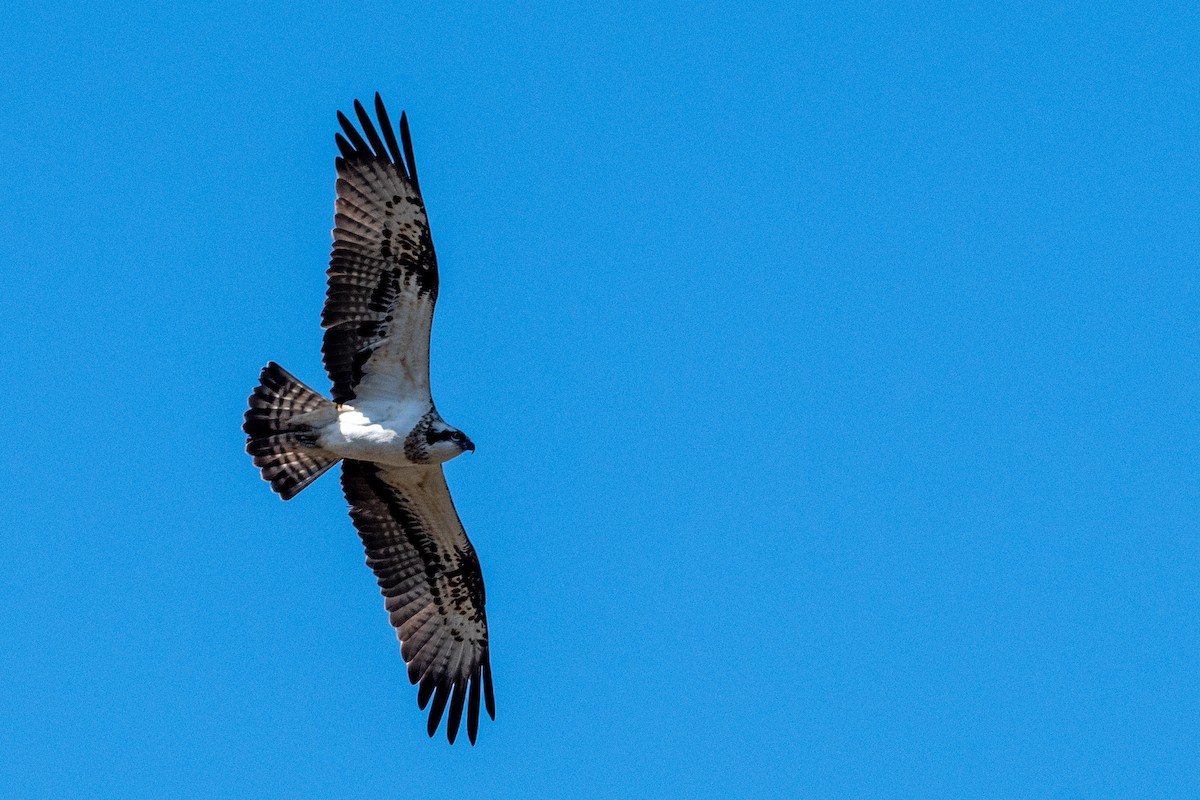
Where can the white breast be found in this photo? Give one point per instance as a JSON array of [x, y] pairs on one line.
[[372, 431]]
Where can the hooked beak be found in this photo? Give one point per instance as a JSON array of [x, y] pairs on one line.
[[469, 445]]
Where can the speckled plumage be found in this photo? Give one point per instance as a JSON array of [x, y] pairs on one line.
[[383, 425]]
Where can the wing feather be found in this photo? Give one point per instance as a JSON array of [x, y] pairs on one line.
[[356, 140], [389, 134], [406, 139], [433, 588], [440, 696], [456, 709], [382, 269], [473, 704], [368, 127]]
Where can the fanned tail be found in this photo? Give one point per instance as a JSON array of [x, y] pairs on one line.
[[281, 430]]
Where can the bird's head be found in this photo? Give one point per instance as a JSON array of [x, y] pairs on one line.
[[443, 442]]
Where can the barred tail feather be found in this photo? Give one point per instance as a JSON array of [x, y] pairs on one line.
[[290, 461], [280, 426]]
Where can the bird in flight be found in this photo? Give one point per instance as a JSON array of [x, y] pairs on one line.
[[382, 424]]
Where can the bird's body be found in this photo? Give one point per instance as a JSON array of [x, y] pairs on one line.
[[373, 431], [382, 425]]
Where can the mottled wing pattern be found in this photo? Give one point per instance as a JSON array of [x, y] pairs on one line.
[[383, 277], [431, 582]]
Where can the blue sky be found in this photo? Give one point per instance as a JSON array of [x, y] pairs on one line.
[[833, 372]]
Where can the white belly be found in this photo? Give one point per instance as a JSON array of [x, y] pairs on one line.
[[372, 433]]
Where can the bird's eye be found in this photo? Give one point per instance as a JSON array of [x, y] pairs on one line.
[[445, 435]]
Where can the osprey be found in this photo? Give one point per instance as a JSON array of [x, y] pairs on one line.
[[382, 423]]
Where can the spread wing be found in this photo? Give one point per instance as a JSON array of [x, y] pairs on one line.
[[383, 277], [431, 582]]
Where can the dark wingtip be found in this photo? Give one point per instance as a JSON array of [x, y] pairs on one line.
[[456, 710], [424, 693], [346, 124], [389, 133], [473, 707], [368, 127], [489, 699], [360, 148], [440, 698], [406, 139]]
